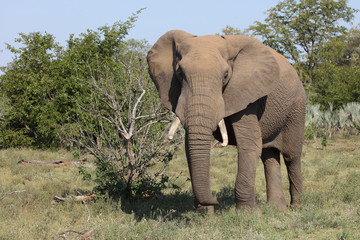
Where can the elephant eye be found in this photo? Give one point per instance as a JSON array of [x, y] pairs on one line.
[[178, 56], [179, 73], [226, 75], [226, 78]]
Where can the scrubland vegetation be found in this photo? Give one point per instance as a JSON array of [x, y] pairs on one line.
[[93, 99], [330, 203]]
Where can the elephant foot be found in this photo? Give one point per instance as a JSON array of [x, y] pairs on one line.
[[295, 205], [249, 210], [280, 204], [295, 202], [247, 207], [205, 209]]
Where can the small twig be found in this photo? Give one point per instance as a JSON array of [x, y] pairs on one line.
[[81, 235], [10, 193], [88, 211]]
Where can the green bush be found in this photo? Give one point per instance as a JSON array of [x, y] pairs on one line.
[[309, 133], [119, 119]]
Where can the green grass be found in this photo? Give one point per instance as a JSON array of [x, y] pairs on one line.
[[330, 203]]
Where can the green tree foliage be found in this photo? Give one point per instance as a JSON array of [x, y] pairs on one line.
[[300, 28], [96, 95], [228, 30], [119, 118], [352, 48], [33, 88], [338, 72], [86, 57]]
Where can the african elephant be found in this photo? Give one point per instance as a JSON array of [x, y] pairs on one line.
[[204, 79]]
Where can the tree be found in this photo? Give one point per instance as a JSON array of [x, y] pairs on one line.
[[119, 119], [4, 107], [352, 47], [338, 72], [96, 95], [32, 87], [299, 30], [228, 30]]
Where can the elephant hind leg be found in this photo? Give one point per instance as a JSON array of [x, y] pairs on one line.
[[274, 187], [293, 165]]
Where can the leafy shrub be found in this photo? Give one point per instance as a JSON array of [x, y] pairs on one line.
[[120, 121], [309, 133]]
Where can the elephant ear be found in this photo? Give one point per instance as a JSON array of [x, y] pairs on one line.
[[255, 73], [162, 62]]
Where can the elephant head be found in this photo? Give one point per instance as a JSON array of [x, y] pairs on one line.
[[205, 79]]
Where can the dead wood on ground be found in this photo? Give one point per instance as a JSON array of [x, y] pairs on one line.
[[52, 163]]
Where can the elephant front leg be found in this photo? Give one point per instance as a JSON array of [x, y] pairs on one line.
[[203, 209], [249, 144]]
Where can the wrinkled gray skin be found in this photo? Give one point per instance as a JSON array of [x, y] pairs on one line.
[[253, 88]]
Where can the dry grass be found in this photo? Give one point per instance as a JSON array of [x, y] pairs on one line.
[[330, 208]]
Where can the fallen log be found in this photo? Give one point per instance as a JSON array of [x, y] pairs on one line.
[[55, 163], [57, 200], [82, 198], [85, 198]]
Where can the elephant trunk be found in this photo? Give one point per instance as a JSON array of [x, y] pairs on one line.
[[201, 122]]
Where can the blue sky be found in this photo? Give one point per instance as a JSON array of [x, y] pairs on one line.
[[65, 17]]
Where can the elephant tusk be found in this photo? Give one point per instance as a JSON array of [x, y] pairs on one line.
[[174, 125], [223, 131]]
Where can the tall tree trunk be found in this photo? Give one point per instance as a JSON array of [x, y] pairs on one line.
[[131, 158]]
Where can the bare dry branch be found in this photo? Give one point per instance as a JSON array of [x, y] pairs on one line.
[[81, 198], [57, 200], [10, 193], [86, 235], [122, 122], [54, 163], [85, 198], [133, 115], [80, 235], [62, 234], [152, 116]]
